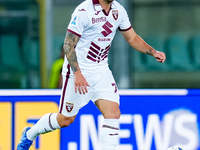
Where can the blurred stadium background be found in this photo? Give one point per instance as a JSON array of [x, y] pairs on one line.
[[31, 32]]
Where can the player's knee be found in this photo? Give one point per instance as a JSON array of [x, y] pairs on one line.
[[64, 121], [117, 114], [113, 115]]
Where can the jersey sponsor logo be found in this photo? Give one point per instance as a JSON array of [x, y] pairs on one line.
[[69, 106], [97, 20], [96, 54], [74, 21], [104, 39], [107, 29], [97, 12], [115, 14]]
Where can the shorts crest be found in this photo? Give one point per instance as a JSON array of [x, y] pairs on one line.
[[69, 106]]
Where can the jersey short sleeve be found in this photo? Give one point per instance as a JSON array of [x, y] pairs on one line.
[[124, 22], [78, 22]]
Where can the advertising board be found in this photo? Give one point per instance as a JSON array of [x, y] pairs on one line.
[[150, 120]]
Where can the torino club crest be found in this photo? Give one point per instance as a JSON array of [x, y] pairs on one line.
[[115, 14], [69, 106]]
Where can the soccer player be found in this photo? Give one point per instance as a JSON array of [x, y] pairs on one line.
[[86, 75]]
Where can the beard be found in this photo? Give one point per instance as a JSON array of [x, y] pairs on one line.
[[109, 1]]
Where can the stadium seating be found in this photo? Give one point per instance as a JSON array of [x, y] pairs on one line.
[[12, 69], [179, 56], [182, 67], [195, 49], [10, 52], [31, 53], [32, 59], [57, 42], [156, 42], [137, 61]]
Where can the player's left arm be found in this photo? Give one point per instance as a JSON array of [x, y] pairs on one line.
[[139, 44]]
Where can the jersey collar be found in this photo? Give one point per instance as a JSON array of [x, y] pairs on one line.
[[98, 7]]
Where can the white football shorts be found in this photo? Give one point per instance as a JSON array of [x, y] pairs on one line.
[[102, 86]]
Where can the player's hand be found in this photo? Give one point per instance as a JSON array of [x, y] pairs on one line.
[[80, 83], [160, 56]]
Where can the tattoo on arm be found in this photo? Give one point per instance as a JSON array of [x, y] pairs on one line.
[[150, 52], [69, 44]]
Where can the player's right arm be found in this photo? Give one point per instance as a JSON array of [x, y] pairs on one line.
[[80, 82]]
